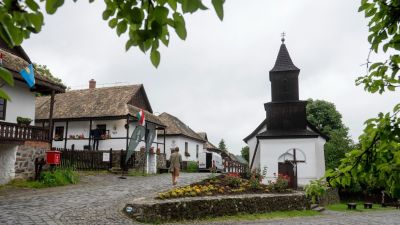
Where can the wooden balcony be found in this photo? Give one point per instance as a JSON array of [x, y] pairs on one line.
[[12, 132]]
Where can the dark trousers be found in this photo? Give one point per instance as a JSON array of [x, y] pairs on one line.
[[95, 144]]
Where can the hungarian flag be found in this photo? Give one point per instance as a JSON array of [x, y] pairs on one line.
[[29, 75], [141, 118]]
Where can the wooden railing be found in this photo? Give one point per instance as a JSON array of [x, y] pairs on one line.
[[15, 132]]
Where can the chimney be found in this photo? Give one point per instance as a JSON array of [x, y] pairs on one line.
[[92, 84]]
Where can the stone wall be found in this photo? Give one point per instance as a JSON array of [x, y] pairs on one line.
[[161, 161], [153, 210], [330, 197], [25, 158], [7, 161]]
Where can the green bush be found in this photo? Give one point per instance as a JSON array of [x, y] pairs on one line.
[[192, 167], [316, 189], [59, 177]]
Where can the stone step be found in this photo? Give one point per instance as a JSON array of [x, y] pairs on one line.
[[319, 209]]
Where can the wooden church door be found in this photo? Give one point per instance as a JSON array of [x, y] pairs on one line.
[[287, 168]]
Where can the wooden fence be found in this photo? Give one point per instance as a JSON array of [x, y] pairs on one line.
[[85, 160], [16, 132], [234, 166]]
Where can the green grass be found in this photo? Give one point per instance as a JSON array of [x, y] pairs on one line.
[[25, 184], [269, 215], [58, 177], [138, 173], [342, 207], [93, 172]]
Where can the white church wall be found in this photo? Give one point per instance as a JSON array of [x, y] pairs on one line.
[[320, 154], [179, 141], [272, 149], [252, 143]]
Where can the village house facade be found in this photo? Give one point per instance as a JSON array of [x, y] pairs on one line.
[[110, 110], [285, 142], [178, 134], [21, 144]]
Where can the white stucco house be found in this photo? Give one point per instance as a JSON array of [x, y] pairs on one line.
[[285, 142], [178, 134], [113, 110], [21, 145]]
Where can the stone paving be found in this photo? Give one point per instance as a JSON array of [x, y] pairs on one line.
[[99, 200], [390, 217], [96, 200]]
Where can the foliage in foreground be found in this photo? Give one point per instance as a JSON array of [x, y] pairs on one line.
[[59, 177], [316, 189], [376, 163], [146, 22]]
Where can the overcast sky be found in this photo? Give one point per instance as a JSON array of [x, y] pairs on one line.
[[217, 80]]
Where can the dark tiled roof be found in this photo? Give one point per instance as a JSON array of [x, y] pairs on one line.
[[283, 61], [91, 103], [176, 127], [284, 133]]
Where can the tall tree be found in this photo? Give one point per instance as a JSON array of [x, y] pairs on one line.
[[147, 22], [222, 146], [376, 162], [45, 71], [327, 119], [245, 153]]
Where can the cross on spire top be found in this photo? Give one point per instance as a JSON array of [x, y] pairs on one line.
[[283, 37]]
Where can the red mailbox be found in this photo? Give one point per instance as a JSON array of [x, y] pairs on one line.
[[53, 157]]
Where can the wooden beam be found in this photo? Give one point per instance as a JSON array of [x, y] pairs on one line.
[[90, 130], [51, 124], [66, 135]]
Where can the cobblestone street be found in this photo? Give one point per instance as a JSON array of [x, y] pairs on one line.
[[96, 200], [391, 217], [99, 200]]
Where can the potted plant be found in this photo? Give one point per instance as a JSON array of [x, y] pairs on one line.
[[158, 151], [152, 150], [23, 121], [142, 149], [71, 136]]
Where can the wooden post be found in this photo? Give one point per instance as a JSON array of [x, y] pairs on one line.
[[164, 143], [90, 130], [66, 135], [51, 118], [127, 132], [110, 164]]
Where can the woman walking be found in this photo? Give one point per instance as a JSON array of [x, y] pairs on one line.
[[175, 160]]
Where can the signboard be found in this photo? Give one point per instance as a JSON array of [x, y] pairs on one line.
[[106, 157]]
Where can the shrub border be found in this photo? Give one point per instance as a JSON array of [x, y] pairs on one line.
[[153, 210]]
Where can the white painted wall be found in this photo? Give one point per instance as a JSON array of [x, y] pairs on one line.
[[22, 102], [252, 143], [179, 141], [8, 154], [116, 127], [313, 168]]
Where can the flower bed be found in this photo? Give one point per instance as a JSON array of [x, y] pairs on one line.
[[229, 184]]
